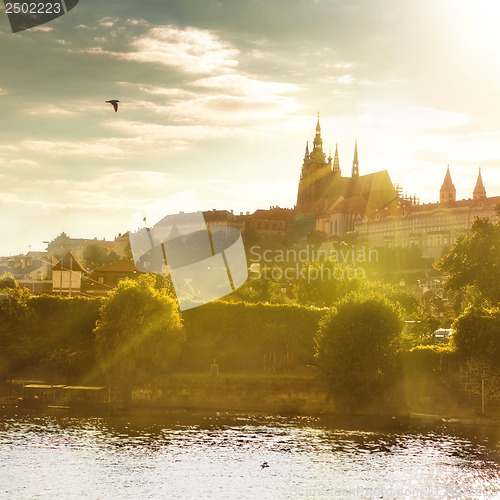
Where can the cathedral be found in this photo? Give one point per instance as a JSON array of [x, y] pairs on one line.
[[336, 202]]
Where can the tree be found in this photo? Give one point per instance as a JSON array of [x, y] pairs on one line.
[[96, 256], [139, 333], [477, 334], [323, 283], [474, 261], [356, 349], [14, 348], [260, 289]]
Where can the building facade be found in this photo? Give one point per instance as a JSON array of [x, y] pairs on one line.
[[434, 227], [331, 202]]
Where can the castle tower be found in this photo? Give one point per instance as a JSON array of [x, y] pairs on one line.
[[315, 170], [447, 191], [479, 191], [336, 164], [317, 154], [355, 163]]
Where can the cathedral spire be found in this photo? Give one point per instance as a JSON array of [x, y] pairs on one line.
[[447, 191], [355, 163], [317, 152], [336, 164], [479, 191]]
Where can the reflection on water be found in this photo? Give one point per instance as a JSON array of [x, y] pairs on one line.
[[186, 455]]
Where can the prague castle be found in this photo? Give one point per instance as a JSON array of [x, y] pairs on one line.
[[333, 202], [434, 227], [371, 209]]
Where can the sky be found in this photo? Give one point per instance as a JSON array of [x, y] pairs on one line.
[[221, 97]]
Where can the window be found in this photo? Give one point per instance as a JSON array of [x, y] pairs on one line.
[[100, 278]]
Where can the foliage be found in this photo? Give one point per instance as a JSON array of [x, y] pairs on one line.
[[96, 256], [356, 348], [474, 261], [14, 315], [321, 284], [240, 336], [261, 289], [477, 334], [61, 335], [316, 238], [429, 359], [139, 333]]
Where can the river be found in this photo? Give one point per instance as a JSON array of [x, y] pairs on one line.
[[220, 456]]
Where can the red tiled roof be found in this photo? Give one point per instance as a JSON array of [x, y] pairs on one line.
[[122, 266], [427, 207], [69, 261], [276, 213]]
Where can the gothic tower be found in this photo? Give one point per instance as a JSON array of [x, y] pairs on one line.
[[447, 191], [315, 170], [355, 163], [479, 191], [336, 163]]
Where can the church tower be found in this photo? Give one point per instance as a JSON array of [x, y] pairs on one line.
[[447, 191], [336, 163], [315, 170], [355, 163], [479, 191]]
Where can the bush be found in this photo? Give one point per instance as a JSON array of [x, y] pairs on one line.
[[357, 346], [139, 333], [429, 359], [240, 336], [477, 334]]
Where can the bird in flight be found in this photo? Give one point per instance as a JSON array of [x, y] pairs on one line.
[[114, 103]]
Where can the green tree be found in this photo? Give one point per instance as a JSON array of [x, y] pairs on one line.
[[356, 349], [259, 289], [96, 256], [139, 334], [474, 261], [14, 313], [323, 283], [477, 334]]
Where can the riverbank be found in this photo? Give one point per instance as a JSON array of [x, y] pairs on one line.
[[293, 393]]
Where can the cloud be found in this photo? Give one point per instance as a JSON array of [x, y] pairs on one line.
[[190, 50], [42, 28], [462, 148], [101, 148], [244, 85], [413, 117], [51, 110], [158, 90], [161, 138], [346, 79], [22, 163]]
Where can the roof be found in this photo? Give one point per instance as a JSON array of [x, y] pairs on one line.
[[213, 215], [275, 213], [69, 261], [447, 183], [124, 266], [376, 189], [428, 207]]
